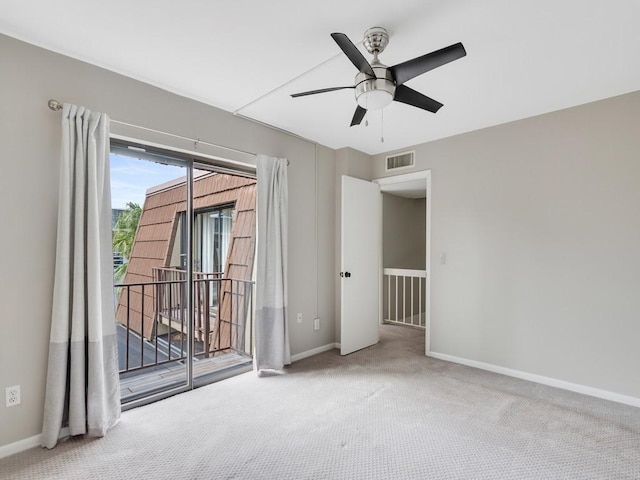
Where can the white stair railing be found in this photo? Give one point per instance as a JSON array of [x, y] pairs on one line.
[[405, 296]]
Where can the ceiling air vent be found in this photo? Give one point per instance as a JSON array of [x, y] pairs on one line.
[[400, 160]]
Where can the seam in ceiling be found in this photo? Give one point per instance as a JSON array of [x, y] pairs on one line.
[[270, 92]]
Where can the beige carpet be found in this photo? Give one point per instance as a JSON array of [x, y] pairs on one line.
[[387, 412]]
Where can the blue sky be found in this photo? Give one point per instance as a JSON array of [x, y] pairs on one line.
[[131, 177]]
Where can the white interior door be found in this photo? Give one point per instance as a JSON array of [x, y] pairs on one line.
[[360, 264]]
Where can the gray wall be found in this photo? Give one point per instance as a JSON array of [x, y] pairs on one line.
[[29, 151], [540, 221], [404, 223]]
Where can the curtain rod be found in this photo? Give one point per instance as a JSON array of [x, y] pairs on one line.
[[55, 105]]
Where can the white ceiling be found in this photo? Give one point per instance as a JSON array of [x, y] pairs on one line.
[[524, 57]]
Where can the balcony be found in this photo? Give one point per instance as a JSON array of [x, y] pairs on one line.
[[153, 330]]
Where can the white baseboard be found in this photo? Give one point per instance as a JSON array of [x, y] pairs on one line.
[[27, 444], [314, 351], [410, 321], [552, 382], [20, 446]]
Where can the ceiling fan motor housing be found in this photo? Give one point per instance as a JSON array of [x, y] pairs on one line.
[[375, 93], [375, 40]]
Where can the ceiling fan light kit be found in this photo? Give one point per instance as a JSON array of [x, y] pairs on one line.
[[377, 85], [375, 93]]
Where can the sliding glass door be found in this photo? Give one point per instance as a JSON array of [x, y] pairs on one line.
[[223, 255], [183, 265], [152, 298]]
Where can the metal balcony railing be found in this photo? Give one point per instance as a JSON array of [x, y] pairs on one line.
[[152, 318]]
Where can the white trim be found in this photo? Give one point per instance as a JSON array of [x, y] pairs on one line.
[[404, 272], [380, 260], [413, 321], [405, 177], [21, 446], [314, 351], [427, 292], [27, 444], [532, 377]]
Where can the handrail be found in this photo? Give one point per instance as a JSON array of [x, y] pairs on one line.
[[163, 282], [140, 284], [405, 272]]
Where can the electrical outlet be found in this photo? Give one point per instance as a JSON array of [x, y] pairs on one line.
[[12, 396], [316, 324]]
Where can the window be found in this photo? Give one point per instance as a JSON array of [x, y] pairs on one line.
[[212, 233]]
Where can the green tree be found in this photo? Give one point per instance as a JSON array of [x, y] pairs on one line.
[[124, 233]]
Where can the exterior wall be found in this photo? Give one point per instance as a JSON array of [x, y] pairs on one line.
[[157, 231], [30, 154], [540, 223]]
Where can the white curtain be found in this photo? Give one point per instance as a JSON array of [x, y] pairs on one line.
[[83, 390], [272, 332]]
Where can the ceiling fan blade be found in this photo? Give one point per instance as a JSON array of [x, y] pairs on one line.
[[358, 116], [352, 52], [322, 90], [409, 96], [405, 71]]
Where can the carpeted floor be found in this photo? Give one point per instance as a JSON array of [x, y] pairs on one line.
[[387, 412]]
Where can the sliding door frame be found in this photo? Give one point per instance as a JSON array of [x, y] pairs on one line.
[[191, 162], [188, 385]]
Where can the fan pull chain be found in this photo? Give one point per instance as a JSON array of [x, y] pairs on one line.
[[382, 126], [366, 111]]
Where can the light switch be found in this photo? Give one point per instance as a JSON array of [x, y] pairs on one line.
[[443, 258]]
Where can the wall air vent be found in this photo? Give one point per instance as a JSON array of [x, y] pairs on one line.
[[400, 161]]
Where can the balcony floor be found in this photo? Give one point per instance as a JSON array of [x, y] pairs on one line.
[[136, 384]]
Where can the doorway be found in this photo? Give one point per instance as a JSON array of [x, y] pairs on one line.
[[405, 270], [361, 247]]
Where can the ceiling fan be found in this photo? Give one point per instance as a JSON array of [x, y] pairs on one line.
[[377, 85]]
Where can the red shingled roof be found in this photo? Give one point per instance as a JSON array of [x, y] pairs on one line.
[[157, 228]]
